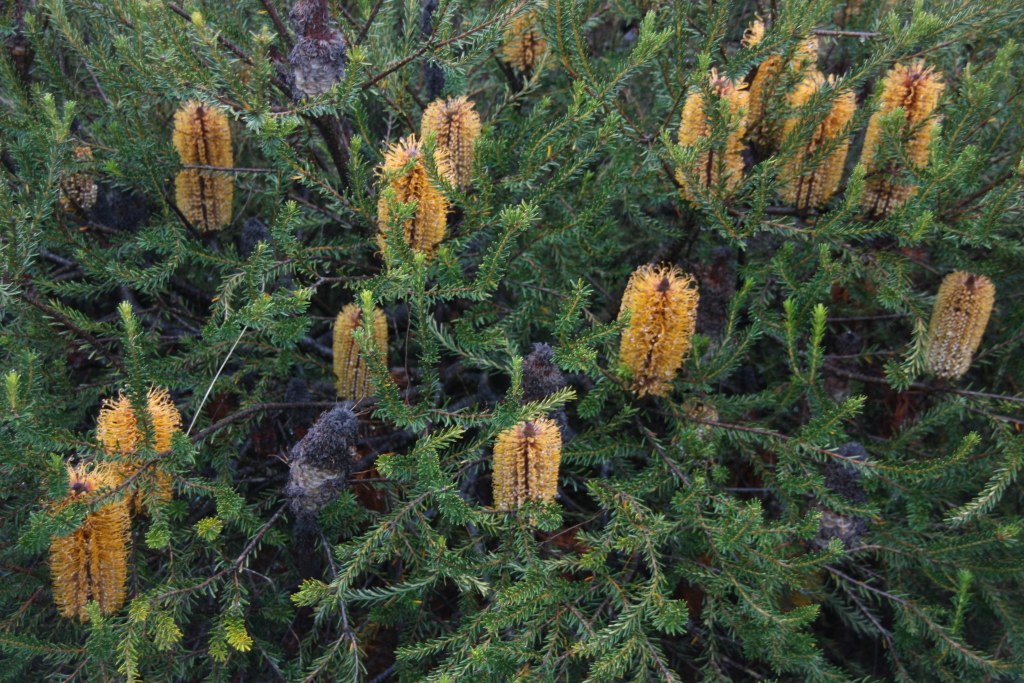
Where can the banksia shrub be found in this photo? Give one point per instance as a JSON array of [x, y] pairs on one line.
[[120, 434], [526, 460], [696, 128], [916, 89], [457, 126], [203, 138], [91, 563], [662, 302], [79, 189], [406, 174], [771, 80], [694, 465], [961, 313], [524, 45], [351, 372], [809, 182]]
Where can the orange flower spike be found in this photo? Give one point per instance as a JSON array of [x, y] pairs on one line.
[[962, 309], [663, 302], [352, 375], [457, 126], [425, 230], [203, 138], [915, 88], [804, 187], [526, 461], [118, 430], [91, 563], [695, 127]]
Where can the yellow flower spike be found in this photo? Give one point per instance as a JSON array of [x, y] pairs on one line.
[[695, 127], [457, 126], [425, 230], [526, 460], [524, 45], [350, 368], [117, 429], [962, 310], [91, 563], [663, 302], [769, 76], [916, 88], [805, 187], [203, 138]]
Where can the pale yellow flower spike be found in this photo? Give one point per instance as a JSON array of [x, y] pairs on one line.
[[962, 310], [351, 372], [203, 138]]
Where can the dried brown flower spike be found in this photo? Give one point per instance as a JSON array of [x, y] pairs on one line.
[[805, 187], [318, 59], [425, 230], [457, 126], [117, 429], [962, 310], [78, 190], [916, 88], [663, 302], [91, 563], [526, 460], [524, 45], [696, 127], [350, 369], [203, 138]]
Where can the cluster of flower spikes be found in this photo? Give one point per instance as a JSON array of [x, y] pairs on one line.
[[524, 46], [962, 310], [120, 434], [526, 461], [771, 75], [695, 128], [351, 371], [810, 181], [91, 563], [78, 190], [406, 173], [915, 88], [456, 126], [202, 137], [663, 317]]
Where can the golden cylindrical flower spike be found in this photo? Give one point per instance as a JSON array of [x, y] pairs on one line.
[[203, 138], [78, 189], [962, 310], [91, 563], [663, 302], [425, 230], [351, 372], [696, 127], [916, 88], [526, 460], [770, 78], [118, 430], [524, 45], [803, 186], [457, 126]]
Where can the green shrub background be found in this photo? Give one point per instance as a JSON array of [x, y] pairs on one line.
[[677, 551]]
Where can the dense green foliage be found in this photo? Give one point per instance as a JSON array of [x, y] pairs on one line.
[[684, 545]]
